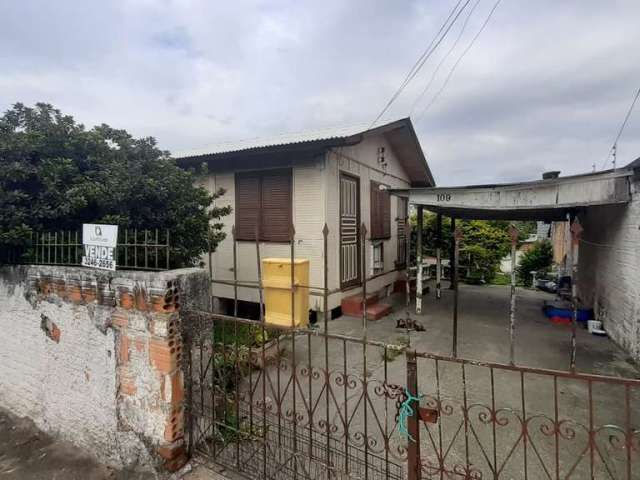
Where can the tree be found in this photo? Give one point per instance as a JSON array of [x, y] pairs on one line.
[[539, 259], [56, 175], [484, 242]]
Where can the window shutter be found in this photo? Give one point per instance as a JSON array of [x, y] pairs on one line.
[[385, 201], [247, 205], [374, 211], [276, 206], [380, 212]]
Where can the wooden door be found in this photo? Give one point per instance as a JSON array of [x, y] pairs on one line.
[[349, 230]]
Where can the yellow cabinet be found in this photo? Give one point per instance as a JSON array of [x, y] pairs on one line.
[[276, 281]]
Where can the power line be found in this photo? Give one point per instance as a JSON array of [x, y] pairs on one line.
[[455, 65], [435, 72], [435, 42], [614, 147]]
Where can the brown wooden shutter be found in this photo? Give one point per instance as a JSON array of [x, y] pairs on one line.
[[374, 211], [247, 205], [380, 212], [276, 205], [385, 204]]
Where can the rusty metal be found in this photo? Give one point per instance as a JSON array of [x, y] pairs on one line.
[[66, 248], [413, 427]]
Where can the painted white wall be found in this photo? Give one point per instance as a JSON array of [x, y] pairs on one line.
[[609, 269]]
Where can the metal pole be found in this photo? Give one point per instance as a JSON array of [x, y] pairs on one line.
[[438, 256], [407, 265], [576, 230], [457, 236], [293, 354], [419, 260], [452, 253], [325, 301], [512, 306], [413, 425]]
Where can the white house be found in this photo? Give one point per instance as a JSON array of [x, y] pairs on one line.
[[339, 178]]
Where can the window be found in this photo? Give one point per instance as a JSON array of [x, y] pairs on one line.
[[263, 204], [380, 212]]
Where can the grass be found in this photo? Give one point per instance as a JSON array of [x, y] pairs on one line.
[[501, 279]]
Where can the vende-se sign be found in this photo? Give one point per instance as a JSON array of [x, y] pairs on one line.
[[99, 245]]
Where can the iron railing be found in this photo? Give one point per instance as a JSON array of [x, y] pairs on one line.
[[136, 249]]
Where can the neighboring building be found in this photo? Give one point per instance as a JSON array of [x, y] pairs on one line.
[[609, 273], [339, 178]]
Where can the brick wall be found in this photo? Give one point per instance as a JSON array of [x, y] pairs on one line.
[[95, 358], [609, 269]]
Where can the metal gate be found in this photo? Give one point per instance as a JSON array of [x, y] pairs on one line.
[[479, 420], [265, 413]]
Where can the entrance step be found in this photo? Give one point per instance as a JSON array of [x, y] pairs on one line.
[[352, 306], [377, 311]]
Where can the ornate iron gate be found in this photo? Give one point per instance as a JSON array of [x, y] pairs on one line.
[[267, 414], [479, 420]]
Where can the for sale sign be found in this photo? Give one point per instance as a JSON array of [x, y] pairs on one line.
[[99, 243]]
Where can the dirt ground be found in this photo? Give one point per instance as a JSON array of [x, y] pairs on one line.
[[26, 453]]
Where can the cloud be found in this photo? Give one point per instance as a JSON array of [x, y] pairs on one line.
[[542, 88]]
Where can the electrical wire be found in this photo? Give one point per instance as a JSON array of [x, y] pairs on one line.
[[435, 72], [624, 124], [435, 42], [455, 65]]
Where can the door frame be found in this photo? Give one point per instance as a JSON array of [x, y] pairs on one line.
[[358, 280]]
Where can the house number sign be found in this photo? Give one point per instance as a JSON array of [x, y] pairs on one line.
[[443, 197], [99, 242]]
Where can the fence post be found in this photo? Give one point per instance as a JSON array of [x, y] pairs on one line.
[[413, 424]]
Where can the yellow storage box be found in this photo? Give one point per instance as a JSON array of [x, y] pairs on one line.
[[276, 281]]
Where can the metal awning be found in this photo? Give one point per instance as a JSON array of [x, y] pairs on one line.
[[549, 199]]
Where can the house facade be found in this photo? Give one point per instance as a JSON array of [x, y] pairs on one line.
[[341, 179]]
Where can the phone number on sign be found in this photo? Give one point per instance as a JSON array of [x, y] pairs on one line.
[[105, 263]]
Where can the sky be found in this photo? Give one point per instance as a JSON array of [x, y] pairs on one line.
[[545, 86]]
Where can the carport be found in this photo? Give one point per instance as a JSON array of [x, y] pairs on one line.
[[553, 198]]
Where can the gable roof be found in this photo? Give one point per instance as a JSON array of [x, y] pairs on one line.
[[400, 135]]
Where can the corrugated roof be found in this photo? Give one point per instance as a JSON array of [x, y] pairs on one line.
[[278, 140]]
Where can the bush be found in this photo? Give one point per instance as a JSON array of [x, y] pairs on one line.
[[56, 175], [538, 259]]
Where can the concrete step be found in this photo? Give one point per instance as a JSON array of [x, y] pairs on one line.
[[377, 311], [352, 306]]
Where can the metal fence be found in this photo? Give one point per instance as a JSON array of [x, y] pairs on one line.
[[136, 249]]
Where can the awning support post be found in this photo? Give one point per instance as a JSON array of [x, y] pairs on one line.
[[457, 236], [576, 230], [452, 253], [438, 256], [419, 260], [513, 231]]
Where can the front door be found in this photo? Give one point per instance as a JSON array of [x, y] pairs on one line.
[[349, 228]]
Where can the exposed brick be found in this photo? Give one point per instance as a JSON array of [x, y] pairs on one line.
[[119, 319], [165, 354], [140, 298], [173, 388], [125, 299], [174, 429], [74, 294], [123, 349]]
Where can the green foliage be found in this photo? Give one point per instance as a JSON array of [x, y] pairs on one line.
[[538, 259], [483, 244], [56, 175]]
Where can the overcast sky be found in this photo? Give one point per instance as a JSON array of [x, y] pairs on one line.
[[545, 86]]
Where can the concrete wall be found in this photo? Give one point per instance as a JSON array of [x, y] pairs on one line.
[[94, 358], [609, 269], [315, 201]]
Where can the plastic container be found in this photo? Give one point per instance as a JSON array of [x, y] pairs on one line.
[[276, 281]]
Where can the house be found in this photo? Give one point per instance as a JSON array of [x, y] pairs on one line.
[[340, 178]]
